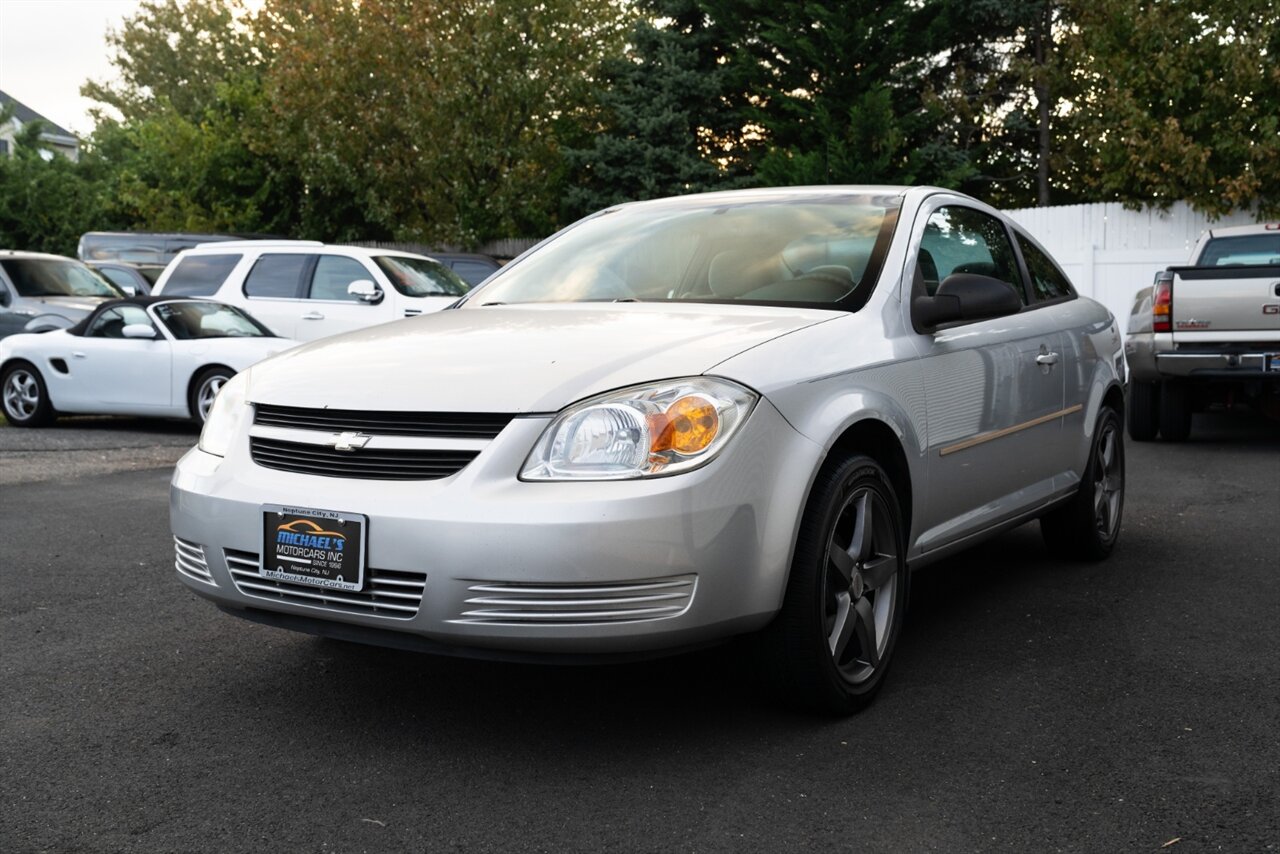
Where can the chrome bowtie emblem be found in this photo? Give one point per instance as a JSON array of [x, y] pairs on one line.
[[350, 441]]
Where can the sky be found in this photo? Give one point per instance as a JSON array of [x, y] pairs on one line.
[[49, 48]]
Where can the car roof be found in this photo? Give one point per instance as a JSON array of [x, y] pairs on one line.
[[771, 193], [1237, 230], [292, 246], [22, 253]]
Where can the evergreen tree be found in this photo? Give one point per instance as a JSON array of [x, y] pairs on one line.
[[662, 125]]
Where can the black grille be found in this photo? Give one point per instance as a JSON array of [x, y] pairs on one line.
[[366, 464], [458, 425]]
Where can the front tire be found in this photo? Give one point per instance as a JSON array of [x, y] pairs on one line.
[[204, 390], [25, 397], [1144, 411], [831, 644], [1087, 528]]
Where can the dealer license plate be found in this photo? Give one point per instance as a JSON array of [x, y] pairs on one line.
[[323, 548]]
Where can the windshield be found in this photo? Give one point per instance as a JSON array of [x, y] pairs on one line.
[[1245, 249], [798, 250], [56, 277], [421, 277], [193, 319]]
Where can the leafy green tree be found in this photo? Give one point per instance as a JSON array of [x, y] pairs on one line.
[[187, 154], [437, 121], [663, 125], [168, 172], [1179, 101], [175, 55], [854, 91], [46, 200]]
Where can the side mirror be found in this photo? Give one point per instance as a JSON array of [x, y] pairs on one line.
[[366, 290], [129, 290], [5, 299], [964, 296], [139, 330]]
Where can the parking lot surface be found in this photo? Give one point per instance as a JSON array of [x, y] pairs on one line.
[[1034, 705]]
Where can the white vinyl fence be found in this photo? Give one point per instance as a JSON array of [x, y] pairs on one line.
[[1110, 253]]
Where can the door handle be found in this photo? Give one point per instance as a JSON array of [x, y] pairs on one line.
[[77, 354], [1047, 359], [313, 315]]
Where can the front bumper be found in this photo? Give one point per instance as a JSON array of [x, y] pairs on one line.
[[558, 568]]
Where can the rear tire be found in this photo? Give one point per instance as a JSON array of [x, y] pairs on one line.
[[1144, 411], [1088, 526], [24, 396], [831, 644], [203, 391], [1175, 411]]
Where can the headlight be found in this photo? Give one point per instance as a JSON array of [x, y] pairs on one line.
[[228, 412], [654, 429]]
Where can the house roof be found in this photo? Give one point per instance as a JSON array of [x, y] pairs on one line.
[[26, 115]]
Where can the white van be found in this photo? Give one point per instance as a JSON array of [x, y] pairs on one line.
[[303, 289]]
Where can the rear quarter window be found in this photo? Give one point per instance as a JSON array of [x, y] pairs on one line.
[[1047, 281], [200, 275]]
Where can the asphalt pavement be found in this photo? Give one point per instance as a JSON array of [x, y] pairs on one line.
[[1034, 704]]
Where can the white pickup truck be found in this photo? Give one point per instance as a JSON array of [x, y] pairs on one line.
[[1207, 333]]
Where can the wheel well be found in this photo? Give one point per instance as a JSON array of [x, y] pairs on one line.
[[1115, 399], [14, 361], [195, 377], [878, 441]]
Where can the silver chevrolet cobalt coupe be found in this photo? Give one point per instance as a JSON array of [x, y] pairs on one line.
[[674, 422]]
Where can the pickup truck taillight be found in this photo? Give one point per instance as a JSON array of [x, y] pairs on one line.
[[1162, 303]]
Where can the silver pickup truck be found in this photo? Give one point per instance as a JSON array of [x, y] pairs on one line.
[[1207, 333]]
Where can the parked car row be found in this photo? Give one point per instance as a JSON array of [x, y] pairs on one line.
[[105, 361], [673, 423]]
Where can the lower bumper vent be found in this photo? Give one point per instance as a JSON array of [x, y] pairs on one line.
[[495, 603], [188, 560], [388, 593]]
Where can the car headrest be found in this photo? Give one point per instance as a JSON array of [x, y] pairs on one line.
[[827, 283], [979, 268], [926, 272]]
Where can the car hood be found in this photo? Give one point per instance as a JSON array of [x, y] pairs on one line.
[[520, 359]]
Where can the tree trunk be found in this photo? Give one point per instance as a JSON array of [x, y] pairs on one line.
[[1040, 86]]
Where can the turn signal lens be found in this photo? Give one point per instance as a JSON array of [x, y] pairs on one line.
[[689, 426], [659, 428]]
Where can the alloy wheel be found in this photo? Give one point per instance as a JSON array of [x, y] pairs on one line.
[[861, 583], [208, 391], [21, 394], [1108, 481]]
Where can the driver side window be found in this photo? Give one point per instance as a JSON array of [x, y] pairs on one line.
[[111, 323], [963, 240]]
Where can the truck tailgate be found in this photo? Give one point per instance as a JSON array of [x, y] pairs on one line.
[[1226, 299]]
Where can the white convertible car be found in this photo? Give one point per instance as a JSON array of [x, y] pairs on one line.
[[151, 356]]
